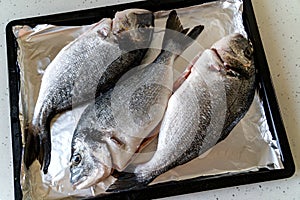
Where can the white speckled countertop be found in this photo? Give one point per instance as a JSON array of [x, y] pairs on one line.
[[278, 23]]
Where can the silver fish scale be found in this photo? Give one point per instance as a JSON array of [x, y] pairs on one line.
[[96, 57], [138, 101], [240, 94], [175, 121], [126, 114], [142, 97], [74, 77], [96, 121], [140, 107], [199, 113]]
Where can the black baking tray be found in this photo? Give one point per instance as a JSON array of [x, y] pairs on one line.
[[265, 88]]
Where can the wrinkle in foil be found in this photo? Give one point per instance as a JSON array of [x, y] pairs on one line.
[[249, 146]]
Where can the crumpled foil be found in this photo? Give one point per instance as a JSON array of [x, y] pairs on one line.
[[249, 146]]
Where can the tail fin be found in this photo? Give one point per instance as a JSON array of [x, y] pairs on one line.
[[177, 39], [37, 148], [126, 181], [173, 26], [31, 149], [44, 153]]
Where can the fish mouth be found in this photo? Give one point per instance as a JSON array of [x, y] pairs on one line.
[[76, 178], [104, 27], [120, 23], [84, 182], [77, 183]]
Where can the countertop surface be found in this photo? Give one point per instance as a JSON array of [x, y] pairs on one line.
[[278, 23]]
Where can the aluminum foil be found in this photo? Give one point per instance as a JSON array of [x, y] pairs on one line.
[[249, 147]]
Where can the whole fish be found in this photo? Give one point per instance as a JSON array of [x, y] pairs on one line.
[[110, 131], [87, 67], [201, 112]]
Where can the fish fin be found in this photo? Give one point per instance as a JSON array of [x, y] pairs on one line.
[[31, 149], [195, 32], [173, 26], [125, 181], [44, 154], [40, 157], [146, 141], [176, 34], [38, 147], [185, 31], [185, 40]]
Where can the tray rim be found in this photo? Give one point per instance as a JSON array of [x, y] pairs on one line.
[[266, 91]]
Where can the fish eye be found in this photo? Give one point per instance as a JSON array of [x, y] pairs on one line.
[[248, 52], [232, 73], [76, 159], [141, 28]]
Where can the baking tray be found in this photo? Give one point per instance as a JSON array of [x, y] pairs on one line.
[[265, 88]]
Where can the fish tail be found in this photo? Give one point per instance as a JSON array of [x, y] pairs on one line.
[[31, 148], [44, 153], [173, 26], [176, 34], [38, 147], [126, 181]]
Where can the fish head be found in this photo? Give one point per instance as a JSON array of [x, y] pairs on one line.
[[90, 162], [133, 28], [236, 54]]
